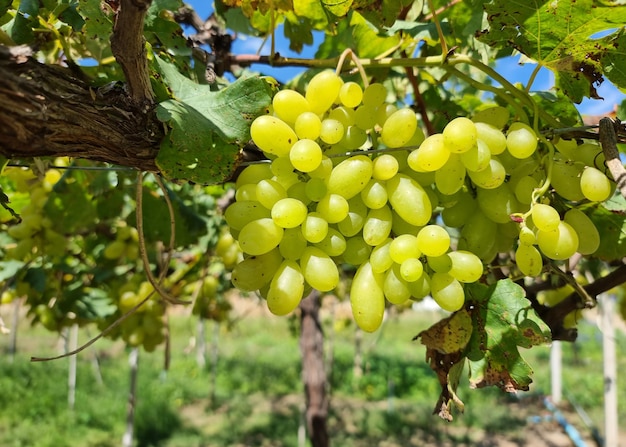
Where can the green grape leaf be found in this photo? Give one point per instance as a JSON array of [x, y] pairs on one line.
[[86, 302], [163, 31], [192, 150], [228, 112], [445, 343], [338, 8], [368, 43], [10, 268], [610, 220], [207, 127], [564, 111], [503, 320], [562, 36], [614, 62], [98, 27], [70, 206]]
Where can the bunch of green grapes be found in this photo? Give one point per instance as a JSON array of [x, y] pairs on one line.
[[145, 327], [353, 180], [124, 246], [33, 235]]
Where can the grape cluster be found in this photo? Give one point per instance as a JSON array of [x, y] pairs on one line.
[[34, 234], [353, 180]]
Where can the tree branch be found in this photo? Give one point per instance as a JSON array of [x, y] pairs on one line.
[[49, 111], [608, 140], [129, 48]]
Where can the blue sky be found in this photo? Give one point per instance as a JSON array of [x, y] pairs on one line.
[[510, 67]]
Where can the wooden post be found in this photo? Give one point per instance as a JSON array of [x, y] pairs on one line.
[[71, 378], [133, 362], [556, 366], [607, 307]]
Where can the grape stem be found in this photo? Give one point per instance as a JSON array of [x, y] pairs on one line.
[[608, 141], [348, 52]]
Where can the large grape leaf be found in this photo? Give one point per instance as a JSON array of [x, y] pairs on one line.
[[562, 36], [207, 127], [503, 321]]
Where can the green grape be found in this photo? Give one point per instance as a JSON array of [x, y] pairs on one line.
[[298, 191], [332, 131], [439, 264], [353, 223], [239, 214], [292, 245], [316, 189], [255, 272], [404, 247], [333, 207], [403, 190], [287, 180], [590, 154], [305, 155], [594, 185], [521, 140], [253, 174], [365, 117], [545, 217], [477, 157], [260, 236], [272, 135], [399, 128], [492, 137], [353, 138], [377, 226], [279, 167], [459, 213], [308, 125], [395, 289], [498, 203], [334, 244], [323, 90], [383, 112], [384, 167], [466, 266], [588, 235], [433, 240], [497, 116], [350, 176], [374, 195], [422, 177], [319, 270], [566, 179], [268, 192], [367, 298], [374, 95], [420, 288], [411, 269], [451, 177], [527, 236], [344, 115], [558, 244], [431, 155], [357, 251], [289, 213], [246, 192], [314, 228], [323, 170], [401, 226], [447, 292], [524, 188], [460, 135], [567, 148], [478, 236], [289, 104], [528, 260], [286, 289], [350, 94], [114, 250], [379, 257], [490, 177]]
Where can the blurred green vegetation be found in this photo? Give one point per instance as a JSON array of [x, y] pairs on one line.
[[257, 399]]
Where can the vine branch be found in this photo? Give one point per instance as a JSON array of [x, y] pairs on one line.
[[608, 141], [129, 48]]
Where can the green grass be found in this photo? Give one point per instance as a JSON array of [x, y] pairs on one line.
[[258, 392]]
